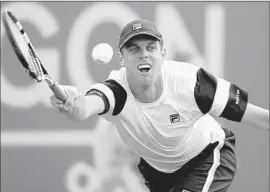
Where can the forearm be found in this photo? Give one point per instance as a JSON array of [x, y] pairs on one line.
[[256, 117], [86, 106]]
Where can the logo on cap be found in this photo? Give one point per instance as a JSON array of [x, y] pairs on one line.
[[137, 26]]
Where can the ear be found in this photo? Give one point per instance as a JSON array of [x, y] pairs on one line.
[[121, 57], [163, 52]]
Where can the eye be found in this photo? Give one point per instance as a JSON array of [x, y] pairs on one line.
[[132, 48], [152, 47]]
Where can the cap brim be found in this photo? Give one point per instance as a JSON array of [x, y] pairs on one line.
[[139, 33]]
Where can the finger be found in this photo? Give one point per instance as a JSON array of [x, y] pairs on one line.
[[54, 100], [57, 104], [69, 104], [61, 110]]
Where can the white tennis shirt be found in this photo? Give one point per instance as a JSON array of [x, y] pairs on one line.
[[178, 126]]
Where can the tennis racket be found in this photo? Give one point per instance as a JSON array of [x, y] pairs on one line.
[[27, 54]]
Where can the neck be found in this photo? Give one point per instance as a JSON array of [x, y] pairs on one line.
[[147, 93]]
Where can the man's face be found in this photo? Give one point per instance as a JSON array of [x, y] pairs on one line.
[[143, 57]]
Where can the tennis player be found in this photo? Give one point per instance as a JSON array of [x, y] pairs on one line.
[[163, 110]]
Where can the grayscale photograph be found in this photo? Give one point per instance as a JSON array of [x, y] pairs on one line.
[[120, 96]]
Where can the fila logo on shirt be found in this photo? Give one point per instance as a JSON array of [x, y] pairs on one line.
[[175, 118]]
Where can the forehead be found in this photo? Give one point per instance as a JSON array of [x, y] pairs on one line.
[[141, 38]]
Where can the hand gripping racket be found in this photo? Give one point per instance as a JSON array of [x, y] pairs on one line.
[[27, 54]]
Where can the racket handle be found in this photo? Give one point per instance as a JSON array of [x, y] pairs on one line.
[[59, 92]]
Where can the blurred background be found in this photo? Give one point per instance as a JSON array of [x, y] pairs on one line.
[[43, 151]]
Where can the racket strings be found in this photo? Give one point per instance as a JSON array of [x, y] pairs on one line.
[[32, 66], [24, 48], [35, 66]]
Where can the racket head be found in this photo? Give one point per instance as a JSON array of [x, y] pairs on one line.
[[22, 46]]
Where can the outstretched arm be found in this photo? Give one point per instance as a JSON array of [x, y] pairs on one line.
[[256, 117], [107, 97], [78, 106], [221, 98]]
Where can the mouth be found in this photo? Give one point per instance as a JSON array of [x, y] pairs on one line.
[[144, 68]]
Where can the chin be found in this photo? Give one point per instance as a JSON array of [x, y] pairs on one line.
[[146, 81]]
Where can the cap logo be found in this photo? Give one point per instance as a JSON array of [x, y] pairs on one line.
[[137, 26]]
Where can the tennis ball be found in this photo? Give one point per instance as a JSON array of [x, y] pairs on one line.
[[102, 53]]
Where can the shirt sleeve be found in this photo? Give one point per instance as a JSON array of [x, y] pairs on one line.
[[112, 93], [219, 97]]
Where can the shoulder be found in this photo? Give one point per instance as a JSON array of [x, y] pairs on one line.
[[117, 75], [180, 69]]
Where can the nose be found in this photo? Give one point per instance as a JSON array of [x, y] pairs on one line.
[[144, 54]]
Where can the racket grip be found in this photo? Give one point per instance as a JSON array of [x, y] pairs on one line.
[[59, 92]]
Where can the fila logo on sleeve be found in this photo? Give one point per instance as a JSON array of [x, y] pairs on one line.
[[175, 118], [237, 96]]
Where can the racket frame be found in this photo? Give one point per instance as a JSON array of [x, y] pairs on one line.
[[42, 74]]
